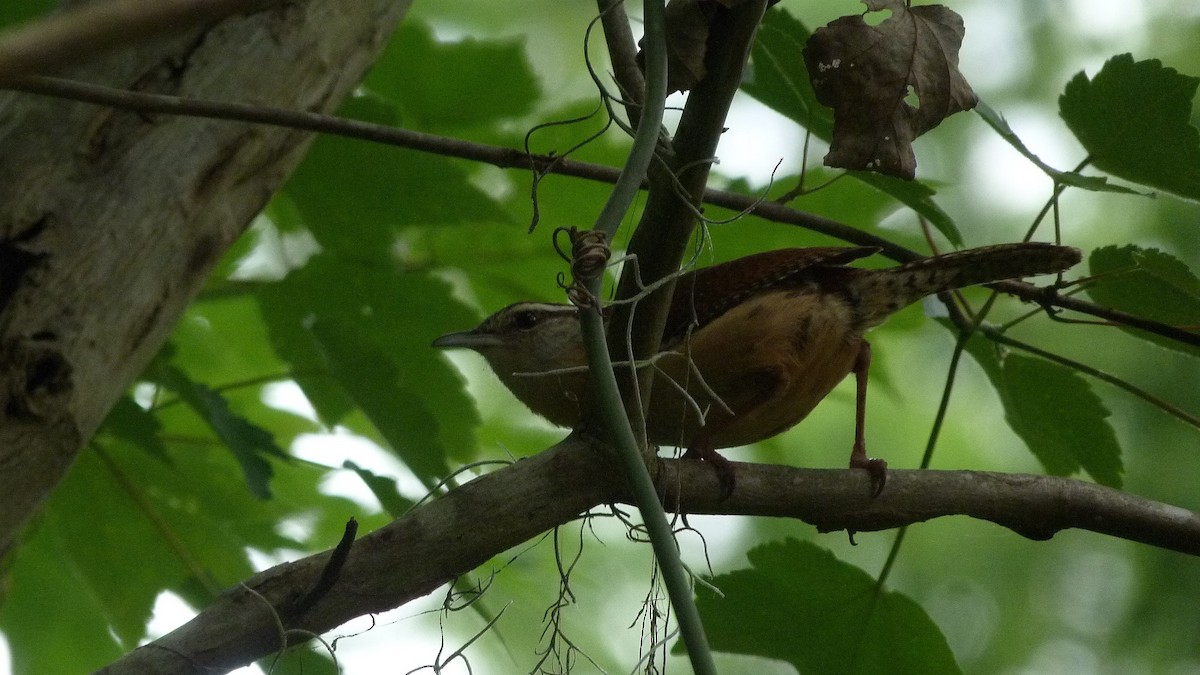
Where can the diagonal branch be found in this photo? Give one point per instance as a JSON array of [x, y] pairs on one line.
[[434, 543], [676, 187], [609, 407], [508, 158]]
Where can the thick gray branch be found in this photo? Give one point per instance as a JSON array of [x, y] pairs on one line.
[[112, 220], [441, 540]]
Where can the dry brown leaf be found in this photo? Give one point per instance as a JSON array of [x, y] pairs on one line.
[[687, 24], [888, 83], [687, 39]]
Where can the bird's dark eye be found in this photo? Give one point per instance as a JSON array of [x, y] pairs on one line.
[[525, 320]]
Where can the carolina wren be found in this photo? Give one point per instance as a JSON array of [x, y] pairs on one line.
[[750, 346]]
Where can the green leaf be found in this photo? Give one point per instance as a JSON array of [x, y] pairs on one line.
[[376, 326], [780, 80], [70, 579], [395, 407], [917, 196], [354, 195], [854, 203], [383, 488], [503, 266], [1054, 410], [426, 78], [1148, 283], [1093, 183], [1170, 271], [250, 443], [199, 500], [798, 603], [37, 624], [27, 10], [223, 337], [193, 351], [1133, 120], [129, 421], [313, 659], [119, 530]]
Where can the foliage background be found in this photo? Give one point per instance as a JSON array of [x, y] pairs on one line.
[[370, 252]]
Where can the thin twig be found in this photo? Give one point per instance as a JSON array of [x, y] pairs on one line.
[[86, 29], [331, 571], [509, 158], [997, 335], [622, 54]]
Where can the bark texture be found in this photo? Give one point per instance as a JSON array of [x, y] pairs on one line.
[[449, 536], [110, 221]]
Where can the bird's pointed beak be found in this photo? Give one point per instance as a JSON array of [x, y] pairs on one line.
[[467, 339]]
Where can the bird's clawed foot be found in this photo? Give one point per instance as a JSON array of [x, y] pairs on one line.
[[723, 467], [874, 466]]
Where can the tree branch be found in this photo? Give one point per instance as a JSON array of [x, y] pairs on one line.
[[609, 407], [431, 545], [508, 158], [435, 543], [622, 54], [80, 317], [677, 185], [1036, 507], [83, 31]]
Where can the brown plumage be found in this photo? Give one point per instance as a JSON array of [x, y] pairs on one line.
[[750, 346]]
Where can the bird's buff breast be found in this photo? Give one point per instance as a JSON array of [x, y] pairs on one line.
[[770, 361]]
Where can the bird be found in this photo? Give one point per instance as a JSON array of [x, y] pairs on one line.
[[750, 346]]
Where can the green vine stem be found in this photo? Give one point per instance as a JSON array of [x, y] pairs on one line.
[[608, 394]]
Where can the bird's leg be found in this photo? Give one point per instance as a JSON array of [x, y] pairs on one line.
[[858, 456], [702, 449], [765, 383]]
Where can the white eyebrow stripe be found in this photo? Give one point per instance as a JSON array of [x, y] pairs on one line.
[[544, 307]]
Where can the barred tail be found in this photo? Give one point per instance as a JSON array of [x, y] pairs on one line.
[[882, 292]]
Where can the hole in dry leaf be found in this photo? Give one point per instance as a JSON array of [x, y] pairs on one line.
[[876, 18], [912, 98]]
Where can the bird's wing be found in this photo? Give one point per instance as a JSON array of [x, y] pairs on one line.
[[704, 294]]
